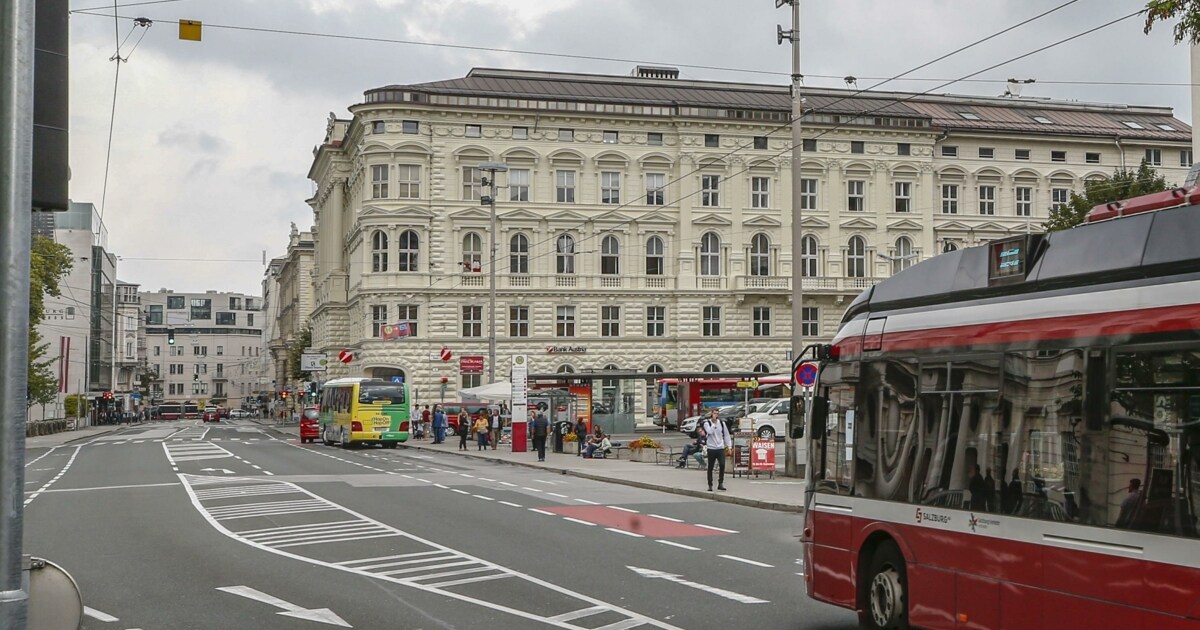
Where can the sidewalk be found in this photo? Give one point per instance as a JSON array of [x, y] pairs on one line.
[[781, 493], [64, 437]]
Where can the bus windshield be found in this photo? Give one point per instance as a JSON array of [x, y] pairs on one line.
[[385, 394]]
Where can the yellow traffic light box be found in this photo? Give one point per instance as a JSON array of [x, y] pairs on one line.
[[189, 30]]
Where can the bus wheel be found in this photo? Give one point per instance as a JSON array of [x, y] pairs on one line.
[[389, 445], [342, 438], [766, 433], [887, 590], [325, 437]]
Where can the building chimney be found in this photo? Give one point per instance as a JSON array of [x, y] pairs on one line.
[[656, 72]]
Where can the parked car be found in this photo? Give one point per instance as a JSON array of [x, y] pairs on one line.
[[211, 414], [238, 413], [310, 425], [453, 409], [728, 414], [769, 421]]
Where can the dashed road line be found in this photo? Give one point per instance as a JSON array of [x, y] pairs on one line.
[[675, 544], [624, 509], [46, 487], [747, 561], [575, 520], [666, 518], [717, 529], [621, 531]]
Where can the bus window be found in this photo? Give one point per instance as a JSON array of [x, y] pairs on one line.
[[893, 448], [388, 394], [958, 404]]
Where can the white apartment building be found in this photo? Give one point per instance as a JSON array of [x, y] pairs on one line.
[[644, 222]]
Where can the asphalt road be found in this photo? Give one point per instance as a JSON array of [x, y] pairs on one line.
[[177, 525]]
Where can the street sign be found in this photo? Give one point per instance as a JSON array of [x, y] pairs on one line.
[[519, 379], [397, 379], [345, 356], [314, 362], [470, 365], [445, 353], [806, 374], [750, 384]]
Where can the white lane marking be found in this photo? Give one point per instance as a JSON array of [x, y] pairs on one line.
[[99, 616], [487, 480], [666, 518], [55, 478], [621, 531], [587, 502], [577, 614], [747, 561], [530, 489], [43, 455], [712, 590], [555, 494], [624, 509], [319, 615], [717, 529], [510, 504], [544, 481], [480, 496], [459, 491], [466, 475], [505, 483], [575, 520], [138, 441], [141, 485], [442, 486], [542, 512], [675, 544]]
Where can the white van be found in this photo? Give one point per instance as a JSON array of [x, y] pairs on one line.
[[769, 421]]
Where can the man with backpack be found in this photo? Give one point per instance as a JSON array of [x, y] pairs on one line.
[[716, 441], [541, 428]]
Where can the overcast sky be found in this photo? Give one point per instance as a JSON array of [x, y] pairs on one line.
[[212, 139]]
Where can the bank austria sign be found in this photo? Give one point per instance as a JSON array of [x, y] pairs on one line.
[[566, 349]]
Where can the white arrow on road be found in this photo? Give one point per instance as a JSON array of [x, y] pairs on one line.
[[224, 470], [671, 577], [319, 615]]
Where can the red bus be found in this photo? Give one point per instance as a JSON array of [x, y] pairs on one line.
[[703, 393], [1009, 435]]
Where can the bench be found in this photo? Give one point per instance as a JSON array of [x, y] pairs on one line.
[[670, 456]]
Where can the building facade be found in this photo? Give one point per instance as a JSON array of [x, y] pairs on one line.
[[129, 347], [274, 352], [644, 222]]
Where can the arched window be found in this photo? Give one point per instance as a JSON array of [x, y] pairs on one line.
[[711, 367], [904, 255], [808, 256], [760, 255], [410, 248], [472, 252], [761, 368], [710, 254], [655, 261], [518, 254], [655, 368], [610, 256], [565, 369], [856, 257], [379, 251], [949, 247], [565, 254]]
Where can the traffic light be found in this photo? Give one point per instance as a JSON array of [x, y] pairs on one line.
[[283, 394], [170, 336], [195, 377]]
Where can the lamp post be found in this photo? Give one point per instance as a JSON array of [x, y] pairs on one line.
[[491, 168]]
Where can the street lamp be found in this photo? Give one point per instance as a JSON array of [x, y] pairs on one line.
[[492, 168]]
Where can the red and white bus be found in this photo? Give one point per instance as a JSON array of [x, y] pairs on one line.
[[1008, 436]]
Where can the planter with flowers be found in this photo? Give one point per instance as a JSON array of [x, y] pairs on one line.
[[643, 449], [570, 443]]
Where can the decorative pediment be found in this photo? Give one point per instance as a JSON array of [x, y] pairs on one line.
[[568, 215], [763, 221], [373, 210], [991, 226], [614, 217], [657, 218], [906, 224], [952, 226], [520, 214], [858, 223], [414, 212], [519, 156], [813, 223], [471, 213], [711, 219]]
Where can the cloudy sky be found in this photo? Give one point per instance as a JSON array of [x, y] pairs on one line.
[[212, 140]]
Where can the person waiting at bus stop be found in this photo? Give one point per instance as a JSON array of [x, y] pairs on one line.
[[716, 441], [464, 428]]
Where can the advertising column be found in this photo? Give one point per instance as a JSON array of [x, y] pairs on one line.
[[520, 402]]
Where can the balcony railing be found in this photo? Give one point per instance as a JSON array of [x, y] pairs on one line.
[[820, 284], [478, 281]]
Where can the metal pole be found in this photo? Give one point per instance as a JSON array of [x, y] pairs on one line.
[[16, 191], [790, 463], [492, 285]]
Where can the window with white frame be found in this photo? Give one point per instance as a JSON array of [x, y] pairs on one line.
[[564, 321], [711, 368], [987, 199], [520, 133], [810, 321], [379, 251], [1024, 199], [379, 314], [1185, 157], [610, 137], [471, 380], [518, 321], [610, 256], [564, 186], [408, 183], [808, 194], [379, 181], [760, 192], [518, 184], [654, 139], [200, 351], [566, 135], [518, 254], [903, 196], [710, 254], [610, 321], [655, 257], [472, 321], [656, 189], [472, 252], [760, 255], [856, 257], [760, 317], [656, 321], [610, 187], [856, 195], [410, 250], [710, 321], [564, 254], [473, 131], [1154, 157], [949, 198], [808, 256], [904, 257], [407, 314], [410, 126], [710, 190], [1059, 198], [220, 350], [472, 183]]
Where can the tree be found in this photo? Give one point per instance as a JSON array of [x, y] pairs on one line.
[[294, 351], [49, 262], [1188, 12], [1122, 185]]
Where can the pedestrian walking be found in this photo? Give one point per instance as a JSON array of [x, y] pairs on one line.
[[541, 428], [464, 428], [580, 433], [495, 425], [716, 441], [481, 430], [426, 422], [439, 425]]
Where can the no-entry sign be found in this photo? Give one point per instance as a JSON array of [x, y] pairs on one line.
[[806, 374]]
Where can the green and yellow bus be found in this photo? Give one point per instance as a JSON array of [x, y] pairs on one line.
[[365, 411]]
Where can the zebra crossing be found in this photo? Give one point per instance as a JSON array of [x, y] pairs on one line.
[[278, 517], [193, 451]]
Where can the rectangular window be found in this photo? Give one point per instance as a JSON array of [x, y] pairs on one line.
[[809, 144], [471, 380], [656, 321], [760, 192], [158, 351], [520, 133], [903, 196], [1021, 154], [518, 321], [564, 186], [379, 181], [472, 183], [407, 314], [712, 140], [564, 321], [410, 127], [1185, 157], [201, 308], [472, 321], [1091, 158], [220, 350], [610, 137], [175, 302], [711, 321], [655, 189], [566, 135], [518, 184], [760, 142], [1024, 196], [987, 153], [610, 187], [761, 321], [987, 200], [949, 151], [903, 148], [810, 321], [473, 131], [235, 303], [654, 139], [610, 321], [377, 126], [856, 196], [199, 351], [1058, 156], [249, 319], [1154, 157], [220, 370], [710, 190], [1059, 198], [154, 315], [808, 194], [408, 184], [858, 146], [378, 319], [226, 319], [949, 198], [1042, 120]]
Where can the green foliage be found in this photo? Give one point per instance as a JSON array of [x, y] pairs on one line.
[[294, 352], [1122, 185], [49, 262], [1188, 12], [73, 405]]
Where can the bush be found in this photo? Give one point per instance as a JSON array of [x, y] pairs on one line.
[[571, 437], [644, 442]]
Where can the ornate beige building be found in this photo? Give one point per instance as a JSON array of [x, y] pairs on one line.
[[644, 221]]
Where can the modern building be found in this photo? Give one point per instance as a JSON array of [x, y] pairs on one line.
[[644, 222], [217, 350]]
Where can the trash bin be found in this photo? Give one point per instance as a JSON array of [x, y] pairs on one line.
[[561, 428]]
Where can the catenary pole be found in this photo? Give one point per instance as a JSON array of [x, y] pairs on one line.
[[491, 168], [791, 465], [16, 192]]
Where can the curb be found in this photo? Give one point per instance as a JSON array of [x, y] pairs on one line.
[[700, 494]]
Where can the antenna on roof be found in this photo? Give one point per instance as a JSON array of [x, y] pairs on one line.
[[851, 81]]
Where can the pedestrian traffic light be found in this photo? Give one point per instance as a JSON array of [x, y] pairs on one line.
[[283, 394], [170, 336]]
